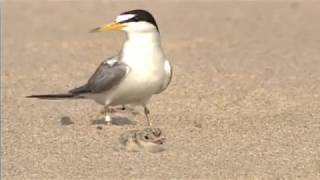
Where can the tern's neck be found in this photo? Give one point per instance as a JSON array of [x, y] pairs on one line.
[[141, 48], [141, 38]]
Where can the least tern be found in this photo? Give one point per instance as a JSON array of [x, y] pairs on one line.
[[132, 77]]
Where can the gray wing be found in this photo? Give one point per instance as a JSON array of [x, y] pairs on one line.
[[108, 75]]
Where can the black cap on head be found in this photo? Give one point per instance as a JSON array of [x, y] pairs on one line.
[[141, 15]]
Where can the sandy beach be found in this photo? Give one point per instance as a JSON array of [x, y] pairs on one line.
[[244, 102]]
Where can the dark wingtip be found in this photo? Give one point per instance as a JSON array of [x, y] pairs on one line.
[[51, 96], [36, 96], [31, 96]]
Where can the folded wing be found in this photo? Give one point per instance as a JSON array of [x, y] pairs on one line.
[[107, 76]]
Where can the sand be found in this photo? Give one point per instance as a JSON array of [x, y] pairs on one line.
[[244, 101]]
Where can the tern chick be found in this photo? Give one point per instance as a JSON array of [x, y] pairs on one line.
[[148, 139]]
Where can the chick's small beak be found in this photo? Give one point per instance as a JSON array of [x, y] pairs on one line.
[[109, 27]]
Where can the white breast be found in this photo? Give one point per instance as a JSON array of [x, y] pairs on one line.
[[167, 76], [147, 73]]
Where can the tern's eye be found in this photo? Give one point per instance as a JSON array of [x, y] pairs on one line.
[[146, 137], [135, 18]]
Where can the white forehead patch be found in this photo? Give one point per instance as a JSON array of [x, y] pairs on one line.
[[124, 17]]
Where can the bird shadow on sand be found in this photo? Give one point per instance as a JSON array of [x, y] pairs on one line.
[[66, 121], [117, 120]]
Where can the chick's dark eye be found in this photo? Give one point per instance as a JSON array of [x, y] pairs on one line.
[[146, 137]]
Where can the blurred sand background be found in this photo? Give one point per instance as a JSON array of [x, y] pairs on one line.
[[244, 101]]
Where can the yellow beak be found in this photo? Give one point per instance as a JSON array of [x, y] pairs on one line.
[[109, 27]]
